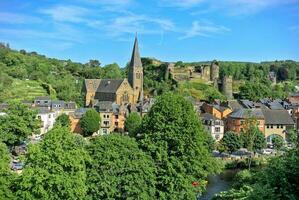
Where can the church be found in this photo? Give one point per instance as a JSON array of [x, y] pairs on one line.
[[122, 92]]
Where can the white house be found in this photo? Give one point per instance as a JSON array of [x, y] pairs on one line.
[[47, 118], [213, 125]]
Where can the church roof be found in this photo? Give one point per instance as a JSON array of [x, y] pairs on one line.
[[109, 85], [135, 59]]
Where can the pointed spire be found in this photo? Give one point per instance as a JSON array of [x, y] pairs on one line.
[[135, 59]]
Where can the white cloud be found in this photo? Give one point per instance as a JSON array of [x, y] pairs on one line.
[[66, 13], [232, 7], [204, 29], [15, 18], [138, 23]]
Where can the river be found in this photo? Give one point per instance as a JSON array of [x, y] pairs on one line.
[[218, 183]]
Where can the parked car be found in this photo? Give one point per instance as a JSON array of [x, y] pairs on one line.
[[268, 151], [17, 166]]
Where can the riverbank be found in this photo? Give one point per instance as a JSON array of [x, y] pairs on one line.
[[218, 183]]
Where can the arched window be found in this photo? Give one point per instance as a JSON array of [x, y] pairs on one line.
[[125, 96], [138, 75]]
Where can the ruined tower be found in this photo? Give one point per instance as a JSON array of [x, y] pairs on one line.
[[227, 86], [214, 74], [135, 76]]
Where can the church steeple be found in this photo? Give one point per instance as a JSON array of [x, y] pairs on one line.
[[135, 75], [135, 59]]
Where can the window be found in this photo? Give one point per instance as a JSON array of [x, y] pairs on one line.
[[106, 123], [271, 126], [108, 116], [281, 126], [217, 137], [217, 122], [116, 123], [49, 116], [268, 126], [138, 76], [125, 96], [217, 129], [104, 116], [277, 126], [116, 116]]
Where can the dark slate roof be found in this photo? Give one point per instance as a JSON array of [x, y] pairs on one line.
[[109, 85], [57, 104], [247, 103], [70, 105], [42, 98], [233, 104], [208, 116], [277, 117], [275, 106], [104, 106], [135, 59], [247, 113], [80, 112], [43, 110]]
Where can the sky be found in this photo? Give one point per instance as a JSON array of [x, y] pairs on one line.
[[169, 30]]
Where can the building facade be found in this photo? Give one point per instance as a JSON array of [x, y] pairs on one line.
[[213, 125], [126, 91], [236, 120], [277, 122]]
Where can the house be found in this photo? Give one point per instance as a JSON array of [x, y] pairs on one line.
[[42, 102], [75, 119], [213, 125], [236, 120], [277, 122], [106, 111], [232, 104], [125, 91], [47, 118], [294, 98], [218, 111]]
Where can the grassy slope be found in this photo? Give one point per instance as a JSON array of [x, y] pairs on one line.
[[25, 90]]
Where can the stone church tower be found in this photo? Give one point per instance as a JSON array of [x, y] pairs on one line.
[[135, 75]]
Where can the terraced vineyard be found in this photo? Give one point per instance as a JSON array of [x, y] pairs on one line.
[[24, 90]]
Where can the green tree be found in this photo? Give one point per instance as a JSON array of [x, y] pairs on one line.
[[112, 71], [252, 138], [63, 120], [54, 168], [18, 123], [277, 142], [119, 169], [230, 142], [132, 123], [6, 176], [174, 137], [90, 122], [293, 137]]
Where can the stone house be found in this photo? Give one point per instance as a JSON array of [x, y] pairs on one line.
[[218, 111], [277, 122], [236, 120]]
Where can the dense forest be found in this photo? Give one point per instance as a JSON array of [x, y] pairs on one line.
[[24, 75]]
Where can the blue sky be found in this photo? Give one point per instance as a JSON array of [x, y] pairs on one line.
[[169, 30]]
